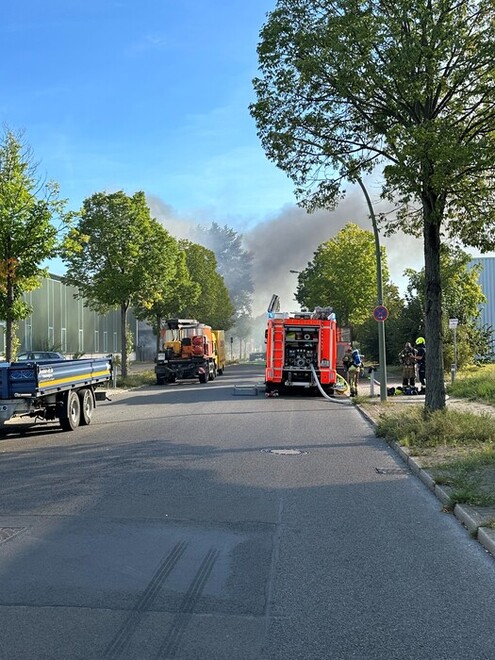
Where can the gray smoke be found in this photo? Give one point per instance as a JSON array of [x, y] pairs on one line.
[[164, 213], [287, 241]]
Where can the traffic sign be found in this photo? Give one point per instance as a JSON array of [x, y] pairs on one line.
[[380, 313], [453, 323]]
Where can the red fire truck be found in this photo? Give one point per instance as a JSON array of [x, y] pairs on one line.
[[301, 349]]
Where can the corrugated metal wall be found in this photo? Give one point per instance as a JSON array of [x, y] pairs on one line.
[[62, 322], [487, 282]]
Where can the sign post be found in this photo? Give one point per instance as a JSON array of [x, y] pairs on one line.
[[453, 368], [380, 314]]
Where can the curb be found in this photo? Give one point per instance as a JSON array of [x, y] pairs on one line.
[[486, 536], [474, 519]]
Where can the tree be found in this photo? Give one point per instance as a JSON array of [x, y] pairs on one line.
[[243, 330], [234, 264], [214, 306], [27, 235], [177, 295], [342, 275], [347, 87], [462, 297], [118, 256]]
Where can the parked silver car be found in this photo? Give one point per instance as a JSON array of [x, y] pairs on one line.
[[40, 355]]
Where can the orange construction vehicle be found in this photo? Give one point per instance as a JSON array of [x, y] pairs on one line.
[[189, 350], [301, 349]]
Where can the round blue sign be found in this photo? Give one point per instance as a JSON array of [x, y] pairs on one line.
[[380, 313]]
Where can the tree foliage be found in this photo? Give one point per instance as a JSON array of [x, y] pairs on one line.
[[462, 297], [177, 295], [27, 235], [214, 306], [343, 275], [346, 87], [118, 256], [234, 264]]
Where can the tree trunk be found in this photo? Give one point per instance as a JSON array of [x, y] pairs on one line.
[[8, 338], [123, 334], [9, 325], [435, 383], [158, 334]]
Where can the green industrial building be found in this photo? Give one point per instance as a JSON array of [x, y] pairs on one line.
[[59, 321]]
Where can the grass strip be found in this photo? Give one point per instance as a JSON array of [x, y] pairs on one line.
[[475, 383], [470, 475], [471, 479], [412, 428]]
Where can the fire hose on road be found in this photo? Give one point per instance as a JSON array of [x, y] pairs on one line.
[[346, 401]]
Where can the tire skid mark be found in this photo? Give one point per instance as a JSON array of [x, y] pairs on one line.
[[7, 533], [127, 629], [171, 643]]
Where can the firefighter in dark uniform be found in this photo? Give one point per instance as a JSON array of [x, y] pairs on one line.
[[407, 359], [347, 361], [421, 362]]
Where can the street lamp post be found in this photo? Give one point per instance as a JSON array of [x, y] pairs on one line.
[[382, 355], [296, 272]]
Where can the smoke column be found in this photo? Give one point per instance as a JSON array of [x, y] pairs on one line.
[[287, 241]]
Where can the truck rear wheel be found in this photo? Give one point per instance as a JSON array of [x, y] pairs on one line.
[[87, 406], [71, 411], [203, 378]]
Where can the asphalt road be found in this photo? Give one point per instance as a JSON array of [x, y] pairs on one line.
[[168, 529]]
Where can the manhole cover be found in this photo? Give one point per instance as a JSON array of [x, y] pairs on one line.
[[284, 452], [7, 533], [392, 470]]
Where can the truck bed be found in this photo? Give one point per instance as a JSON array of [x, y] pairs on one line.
[[35, 379], [60, 390]]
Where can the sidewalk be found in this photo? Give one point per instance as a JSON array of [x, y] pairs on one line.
[[368, 389]]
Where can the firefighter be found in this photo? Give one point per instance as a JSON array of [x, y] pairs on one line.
[[421, 362], [347, 361], [407, 359], [354, 372]]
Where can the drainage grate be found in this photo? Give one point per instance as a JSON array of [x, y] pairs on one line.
[[7, 533], [392, 470], [284, 452]]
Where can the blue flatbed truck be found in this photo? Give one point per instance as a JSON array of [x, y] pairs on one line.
[[63, 391]]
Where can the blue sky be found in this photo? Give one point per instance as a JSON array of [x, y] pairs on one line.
[[153, 96], [149, 95]]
